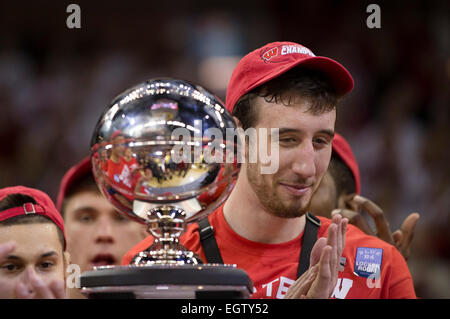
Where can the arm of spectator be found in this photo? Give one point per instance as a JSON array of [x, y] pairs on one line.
[[401, 238]]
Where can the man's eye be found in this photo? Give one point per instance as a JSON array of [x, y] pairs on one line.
[[10, 267], [287, 140], [120, 218], [320, 142], [46, 265], [85, 218]]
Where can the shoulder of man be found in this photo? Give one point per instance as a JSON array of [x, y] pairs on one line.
[[144, 244]]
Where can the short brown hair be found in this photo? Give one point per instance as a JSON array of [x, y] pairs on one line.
[[86, 182], [310, 84]]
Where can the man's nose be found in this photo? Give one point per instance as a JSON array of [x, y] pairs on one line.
[[105, 232], [304, 160], [27, 276]]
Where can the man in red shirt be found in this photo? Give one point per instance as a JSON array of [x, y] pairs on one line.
[[122, 166], [264, 226]]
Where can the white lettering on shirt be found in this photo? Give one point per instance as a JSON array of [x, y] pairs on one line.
[[269, 287], [341, 291], [283, 288]]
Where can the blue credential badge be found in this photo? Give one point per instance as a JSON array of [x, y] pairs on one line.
[[368, 262]]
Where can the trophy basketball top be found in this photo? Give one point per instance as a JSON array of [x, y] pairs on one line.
[[165, 142]]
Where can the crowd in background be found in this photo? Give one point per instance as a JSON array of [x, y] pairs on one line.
[[55, 82]]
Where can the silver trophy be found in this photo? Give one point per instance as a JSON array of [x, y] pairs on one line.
[[165, 154]]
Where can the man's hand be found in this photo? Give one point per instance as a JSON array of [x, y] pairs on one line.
[[401, 238], [37, 289], [302, 285], [6, 249], [320, 279]]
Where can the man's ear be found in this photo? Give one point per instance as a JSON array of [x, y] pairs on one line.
[[66, 258], [66, 261], [242, 140], [237, 122]]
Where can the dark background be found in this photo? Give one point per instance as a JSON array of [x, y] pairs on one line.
[[56, 81]]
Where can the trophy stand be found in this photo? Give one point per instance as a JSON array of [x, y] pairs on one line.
[[167, 269], [166, 223]]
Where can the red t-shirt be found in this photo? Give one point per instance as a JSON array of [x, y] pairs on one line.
[[273, 267], [122, 173], [133, 167], [212, 194]]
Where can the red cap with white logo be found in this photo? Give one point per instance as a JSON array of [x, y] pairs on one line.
[[44, 206], [274, 59]]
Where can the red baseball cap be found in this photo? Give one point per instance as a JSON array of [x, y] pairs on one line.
[[276, 58], [115, 134], [83, 168], [342, 148], [44, 206]]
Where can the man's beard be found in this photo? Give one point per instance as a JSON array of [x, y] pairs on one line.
[[269, 199]]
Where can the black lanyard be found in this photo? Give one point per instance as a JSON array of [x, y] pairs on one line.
[[312, 226], [213, 256]]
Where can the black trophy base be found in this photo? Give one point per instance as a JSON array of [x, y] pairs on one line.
[[206, 281]]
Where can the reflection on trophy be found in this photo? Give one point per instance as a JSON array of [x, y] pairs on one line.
[[164, 154]]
